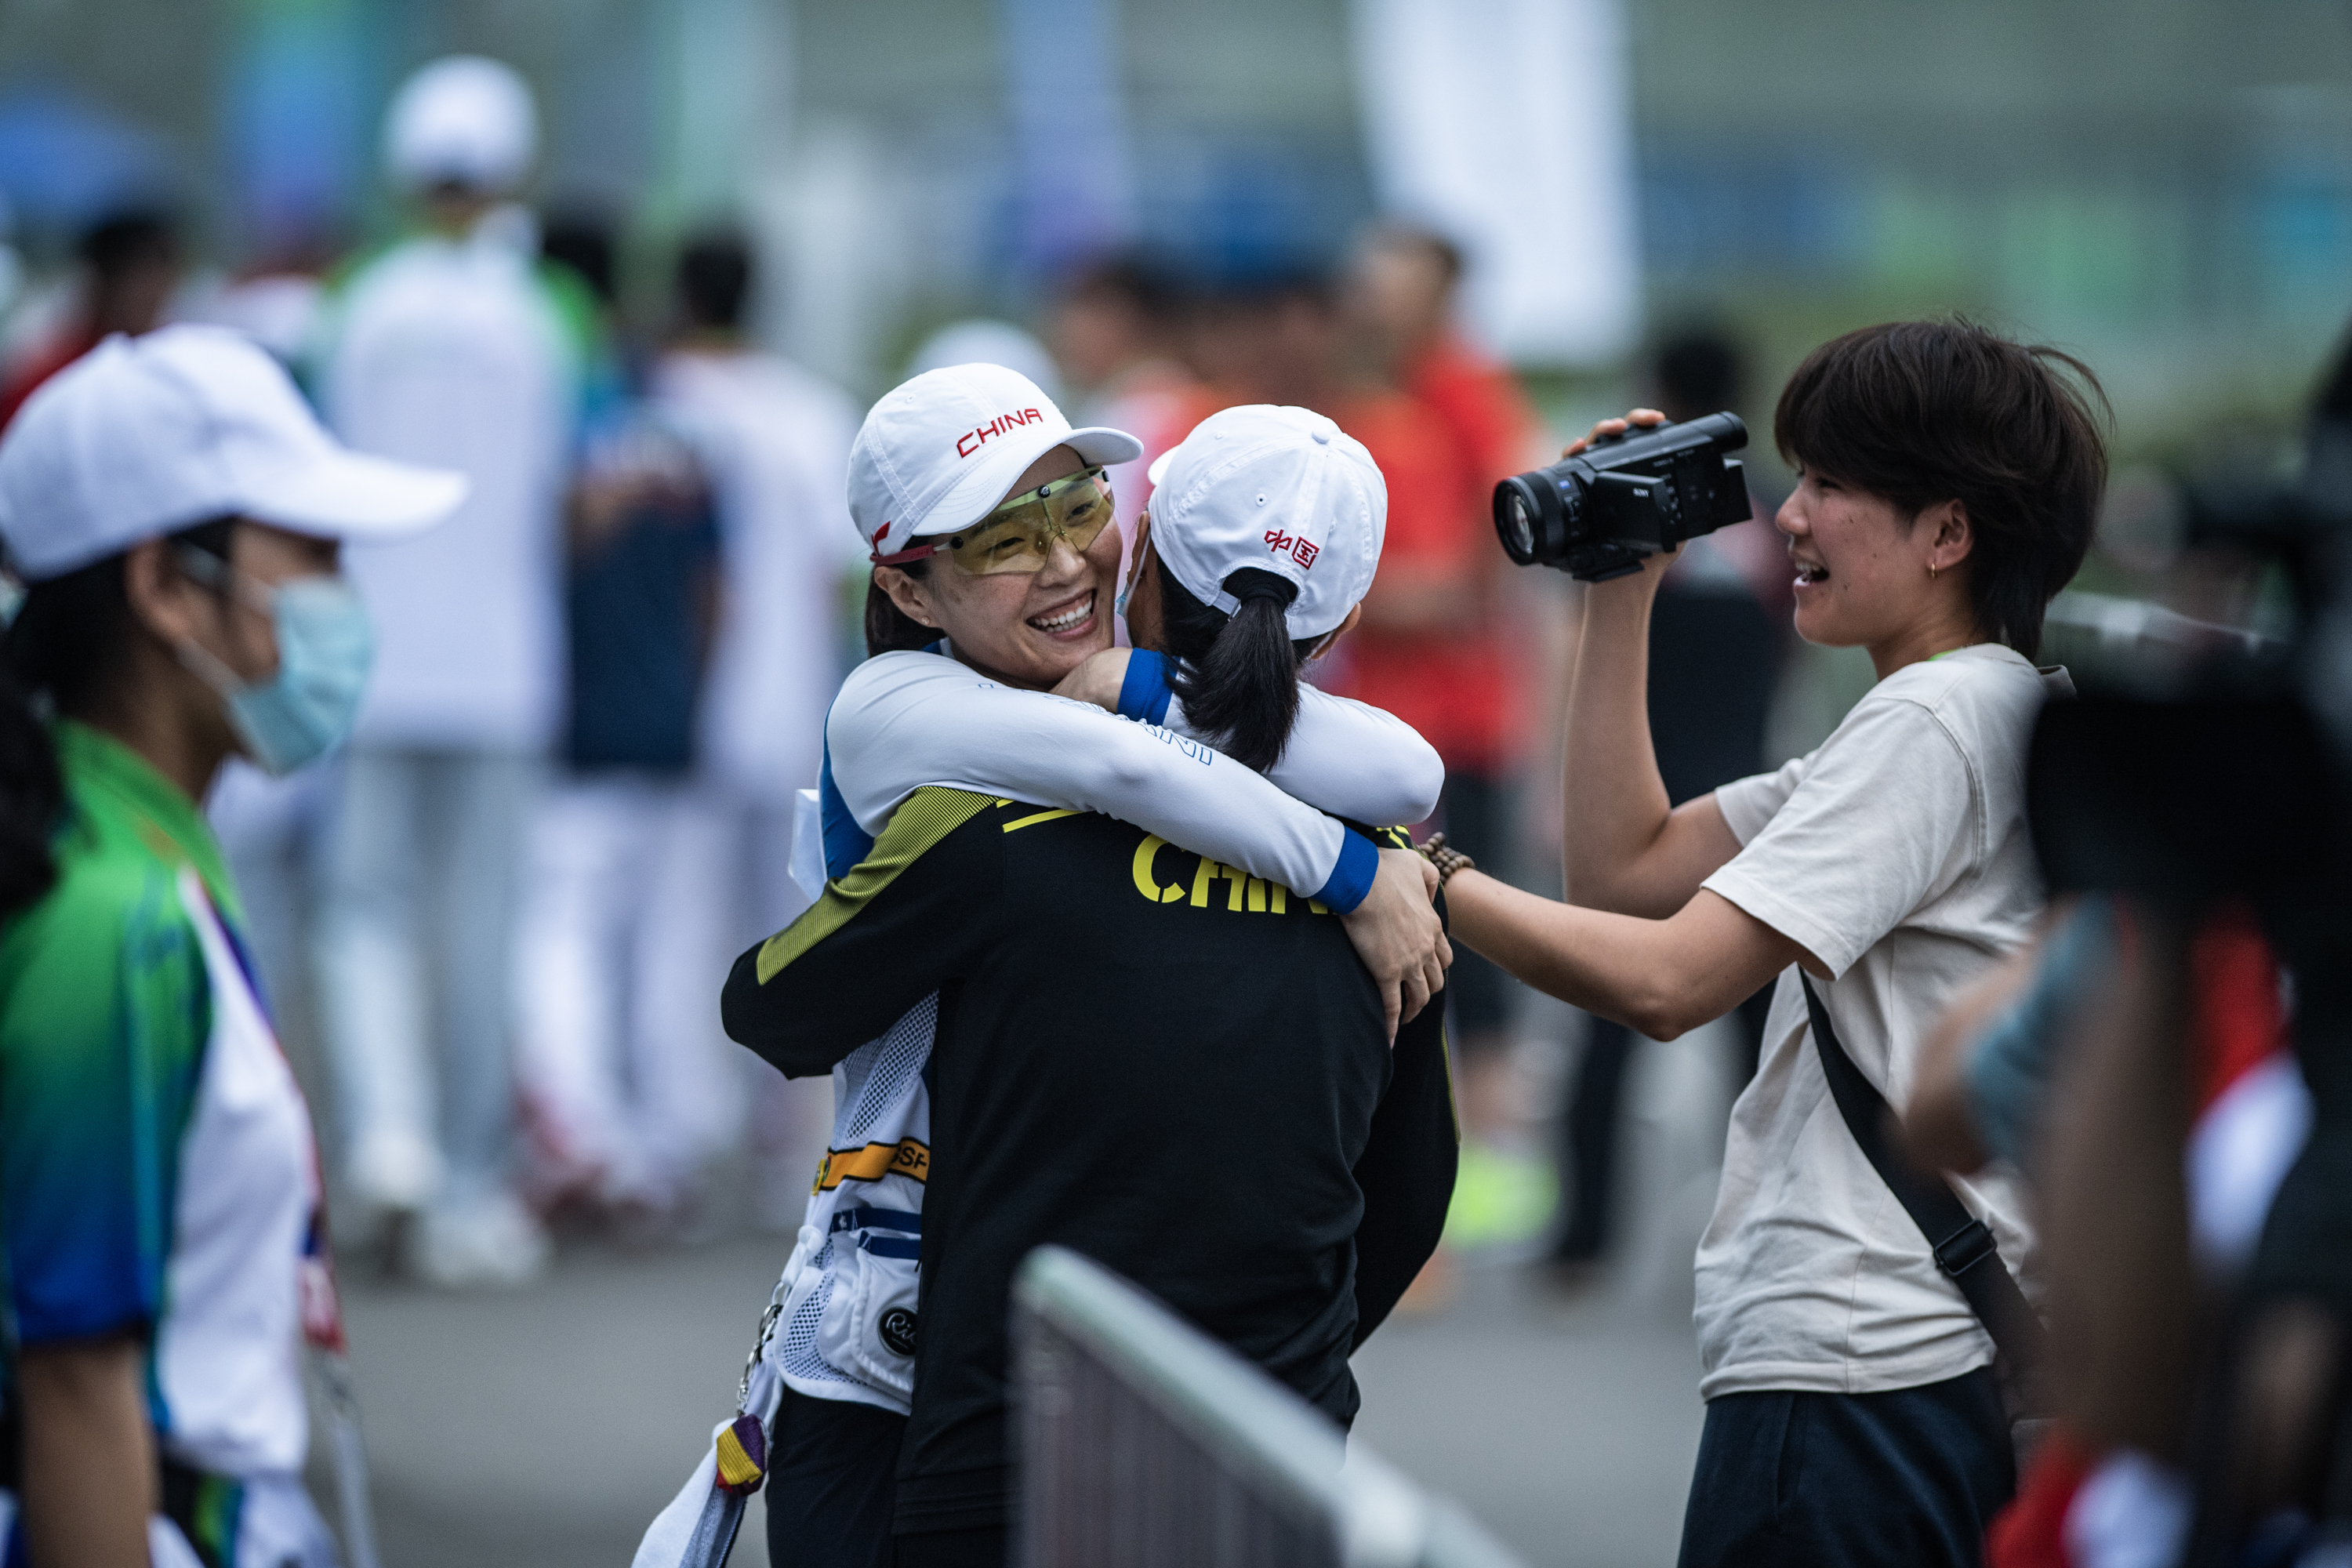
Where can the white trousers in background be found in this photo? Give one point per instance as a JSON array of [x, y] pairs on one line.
[[414, 941], [627, 932]]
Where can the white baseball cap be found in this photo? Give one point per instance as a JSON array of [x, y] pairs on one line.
[[1280, 488], [940, 451], [463, 120], [146, 436]]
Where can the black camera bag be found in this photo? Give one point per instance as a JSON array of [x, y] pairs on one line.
[[1963, 1245]]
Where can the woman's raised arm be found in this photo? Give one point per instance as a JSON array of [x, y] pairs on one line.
[[1624, 848]]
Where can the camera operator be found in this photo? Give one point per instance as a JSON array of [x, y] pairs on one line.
[[1949, 480]]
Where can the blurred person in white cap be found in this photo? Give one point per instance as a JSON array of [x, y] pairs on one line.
[[984, 340], [988, 521], [453, 347], [1281, 1173], [177, 514]]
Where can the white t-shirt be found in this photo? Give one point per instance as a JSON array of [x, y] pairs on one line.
[[452, 353], [1898, 855], [776, 440]]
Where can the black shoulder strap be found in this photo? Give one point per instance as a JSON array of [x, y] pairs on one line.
[[1964, 1245]]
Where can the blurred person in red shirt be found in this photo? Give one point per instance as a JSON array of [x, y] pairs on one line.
[[1435, 624], [1428, 650], [1402, 291], [1115, 332], [131, 264], [1431, 645]]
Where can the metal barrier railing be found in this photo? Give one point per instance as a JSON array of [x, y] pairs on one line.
[[1144, 1443]]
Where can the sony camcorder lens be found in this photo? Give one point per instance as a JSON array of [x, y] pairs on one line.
[[1520, 539]]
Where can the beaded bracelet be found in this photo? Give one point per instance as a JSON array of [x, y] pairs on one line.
[[1447, 861]]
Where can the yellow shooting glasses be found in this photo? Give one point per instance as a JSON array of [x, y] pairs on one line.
[[1018, 535]]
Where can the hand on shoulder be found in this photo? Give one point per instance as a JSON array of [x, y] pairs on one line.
[[1099, 681]]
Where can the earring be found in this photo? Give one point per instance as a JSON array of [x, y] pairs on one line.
[[1931, 571]]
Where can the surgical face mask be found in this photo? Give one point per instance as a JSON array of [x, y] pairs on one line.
[[325, 647]]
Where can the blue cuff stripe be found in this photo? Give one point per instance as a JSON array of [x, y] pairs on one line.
[[1145, 691], [1351, 879]]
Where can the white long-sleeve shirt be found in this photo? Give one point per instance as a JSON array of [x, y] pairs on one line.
[[904, 721]]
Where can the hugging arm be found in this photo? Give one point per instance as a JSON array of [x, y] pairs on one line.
[[1345, 757], [906, 719], [905, 922]]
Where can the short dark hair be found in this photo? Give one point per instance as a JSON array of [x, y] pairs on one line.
[[1439, 248], [714, 278], [134, 236], [1922, 412], [1136, 279], [1699, 372], [584, 240]]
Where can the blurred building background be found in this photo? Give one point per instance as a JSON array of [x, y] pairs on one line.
[[2166, 184]]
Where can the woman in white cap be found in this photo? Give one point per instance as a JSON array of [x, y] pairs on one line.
[[177, 514], [987, 515]]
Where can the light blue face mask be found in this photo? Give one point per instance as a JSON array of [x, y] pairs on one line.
[[325, 647]]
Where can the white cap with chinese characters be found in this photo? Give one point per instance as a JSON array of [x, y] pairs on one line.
[[1280, 488]]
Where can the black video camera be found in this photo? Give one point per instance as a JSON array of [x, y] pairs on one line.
[[1597, 514]]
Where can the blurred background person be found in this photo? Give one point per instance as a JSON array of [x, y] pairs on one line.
[[1445, 422], [129, 264], [452, 348], [1404, 288], [625, 1093], [1432, 647], [988, 339], [1117, 332], [1719, 636], [772, 439]]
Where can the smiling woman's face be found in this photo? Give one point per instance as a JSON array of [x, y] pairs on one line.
[[1861, 567], [1024, 628]]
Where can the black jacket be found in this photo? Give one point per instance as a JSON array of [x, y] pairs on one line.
[[1170, 1066]]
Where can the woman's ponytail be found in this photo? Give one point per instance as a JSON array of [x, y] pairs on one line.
[[1238, 674]]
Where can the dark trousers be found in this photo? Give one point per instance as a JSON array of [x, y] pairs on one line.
[[1844, 1480], [832, 1481], [955, 1548]]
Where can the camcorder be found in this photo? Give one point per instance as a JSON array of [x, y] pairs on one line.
[[1602, 513]]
